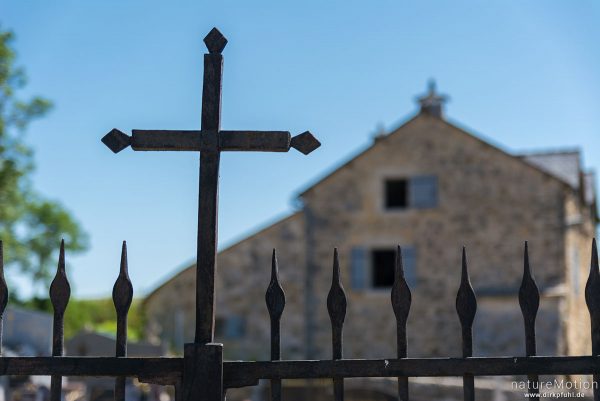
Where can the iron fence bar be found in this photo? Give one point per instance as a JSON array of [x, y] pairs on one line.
[[60, 291], [122, 296], [592, 299], [3, 292], [529, 301], [336, 306], [275, 299], [466, 307], [401, 300]]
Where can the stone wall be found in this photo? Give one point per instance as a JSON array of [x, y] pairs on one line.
[[243, 274], [578, 244]]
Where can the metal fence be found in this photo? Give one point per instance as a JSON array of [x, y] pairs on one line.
[[201, 374]]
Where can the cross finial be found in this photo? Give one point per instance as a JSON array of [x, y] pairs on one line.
[[432, 103], [215, 41]]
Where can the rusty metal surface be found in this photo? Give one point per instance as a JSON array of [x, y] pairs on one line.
[[3, 292], [275, 299], [529, 301], [336, 306], [401, 299], [466, 307], [592, 299], [122, 297], [169, 370], [60, 292]]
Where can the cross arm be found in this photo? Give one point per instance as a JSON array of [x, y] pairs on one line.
[[261, 141], [163, 140], [267, 141], [176, 140]]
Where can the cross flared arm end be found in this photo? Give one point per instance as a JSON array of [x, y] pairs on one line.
[[116, 140]]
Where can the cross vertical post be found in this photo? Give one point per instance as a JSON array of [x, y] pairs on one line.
[[210, 157]]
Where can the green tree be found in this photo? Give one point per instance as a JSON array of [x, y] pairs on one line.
[[30, 225]]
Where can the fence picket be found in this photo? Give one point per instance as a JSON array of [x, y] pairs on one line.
[[3, 292], [275, 299], [466, 306], [60, 291], [592, 299], [122, 297], [529, 301], [401, 300], [336, 306]]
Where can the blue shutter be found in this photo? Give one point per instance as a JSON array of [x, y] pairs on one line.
[[409, 261], [358, 268], [234, 327], [422, 191]]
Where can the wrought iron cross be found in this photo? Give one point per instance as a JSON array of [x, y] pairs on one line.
[[210, 141]]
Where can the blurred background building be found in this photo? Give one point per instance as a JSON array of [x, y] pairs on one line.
[[431, 186]]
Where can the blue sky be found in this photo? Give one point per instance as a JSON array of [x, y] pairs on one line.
[[523, 74]]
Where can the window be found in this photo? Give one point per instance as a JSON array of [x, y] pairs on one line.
[[230, 327], [396, 194], [418, 192], [374, 268], [383, 262]]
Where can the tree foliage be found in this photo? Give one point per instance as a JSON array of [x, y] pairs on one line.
[[30, 225]]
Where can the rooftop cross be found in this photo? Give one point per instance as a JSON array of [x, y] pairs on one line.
[[210, 141], [432, 103]]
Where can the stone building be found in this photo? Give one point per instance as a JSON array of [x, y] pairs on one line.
[[430, 186]]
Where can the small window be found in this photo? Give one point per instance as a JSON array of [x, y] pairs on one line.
[[375, 268], [423, 191], [383, 262], [419, 192], [396, 194], [230, 328]]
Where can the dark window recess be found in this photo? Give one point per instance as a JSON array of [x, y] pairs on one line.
[[383, 267], [383, 264], [418, 192], [219, 327], [396, 194]]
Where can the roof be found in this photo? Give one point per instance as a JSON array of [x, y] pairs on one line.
[[563, 164], [589, 187], [540, 161], [261, 229]]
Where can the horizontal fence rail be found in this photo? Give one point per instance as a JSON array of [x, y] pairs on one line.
[[171, 371], [242, 373]]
